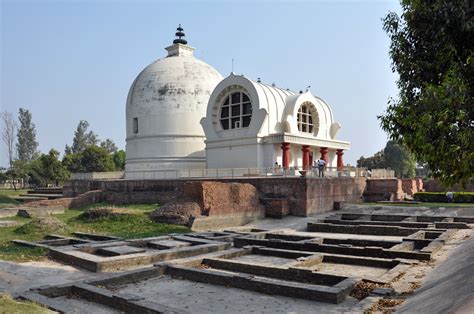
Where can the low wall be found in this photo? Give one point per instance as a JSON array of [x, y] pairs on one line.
[[433, 185], [383, 190], [306, 196], [412, 186]]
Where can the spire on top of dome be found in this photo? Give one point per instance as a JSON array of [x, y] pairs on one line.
[[179, 34]]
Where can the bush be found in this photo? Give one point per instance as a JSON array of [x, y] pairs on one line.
[[440, 197], [100, 213], [42, 225]]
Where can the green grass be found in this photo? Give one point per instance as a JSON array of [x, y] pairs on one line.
[[434, 205], [8, 305], [6, 197], [133, 224]]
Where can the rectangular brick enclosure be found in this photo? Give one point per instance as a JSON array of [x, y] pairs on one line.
[[306, 196]]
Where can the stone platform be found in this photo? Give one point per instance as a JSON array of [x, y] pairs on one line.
[[348, 264]]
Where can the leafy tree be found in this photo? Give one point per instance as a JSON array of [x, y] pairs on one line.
[[72, 162], [26, 145], [398, 158], [119, 160], [109, 145], [54, 170], [98, 159], [375, 162], [9, 134], [82, 138], [432, 51], [18, 172]]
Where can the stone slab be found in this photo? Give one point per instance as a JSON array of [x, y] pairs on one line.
[[168, 244], [120, 250]]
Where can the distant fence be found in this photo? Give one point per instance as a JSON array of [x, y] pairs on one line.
[[90, 176], [251, 172], [382, 173]]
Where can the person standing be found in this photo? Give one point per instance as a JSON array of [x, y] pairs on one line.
[[321, 166]]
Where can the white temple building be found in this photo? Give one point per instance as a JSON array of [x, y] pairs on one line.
[[182, 115], [249, 124]]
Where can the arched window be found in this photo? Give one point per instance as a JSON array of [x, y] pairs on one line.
[[236, 111], [308, 120]]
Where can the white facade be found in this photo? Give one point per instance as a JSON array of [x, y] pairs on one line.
[[181, 114], [164, 106], [277, 117]]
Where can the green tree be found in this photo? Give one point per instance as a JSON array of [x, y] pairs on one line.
[[54, 170], [8, 135], [432, 51], [26, 145], [398, 158], [72, 162], [375, 162], [82, 138], [109, 145], [119, 160], [98, 159]]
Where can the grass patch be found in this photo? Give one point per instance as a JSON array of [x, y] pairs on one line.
[[8, 305], [134, 223], [7, 197], [431, 205]]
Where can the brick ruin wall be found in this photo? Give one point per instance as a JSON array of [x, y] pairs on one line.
[[433, 185], [383, 190], [305, 196], [218, 198]]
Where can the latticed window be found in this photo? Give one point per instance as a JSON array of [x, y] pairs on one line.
[[308, 120], [236, 111]]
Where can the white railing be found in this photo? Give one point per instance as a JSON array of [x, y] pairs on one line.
[[232, 173], [88, 176], [242, 173]]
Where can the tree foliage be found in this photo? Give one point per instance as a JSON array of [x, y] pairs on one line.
[[9, 135], [119, 160], [26, 145], [82, 138], [97, 159], [377, 161], [92, 159], [432, 51], [398, 158], [394, 156], [109, 145]]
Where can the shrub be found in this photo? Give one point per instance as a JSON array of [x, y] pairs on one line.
[[100, 213], [41, 225], [440, 197]]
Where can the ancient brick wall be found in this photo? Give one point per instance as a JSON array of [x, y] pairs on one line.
[[219, 198], [322, 193], [409, 186], [84, 199], [383, 189], [305, 196]]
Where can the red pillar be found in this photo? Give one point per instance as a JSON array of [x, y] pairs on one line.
[[310, 159], [340, 163], [285, 147], [305, 150], [324, 154]]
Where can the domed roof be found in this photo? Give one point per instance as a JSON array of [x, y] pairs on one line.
[[164, 107], [174, 83]]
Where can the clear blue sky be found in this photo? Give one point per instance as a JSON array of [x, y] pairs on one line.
[[67, 61]]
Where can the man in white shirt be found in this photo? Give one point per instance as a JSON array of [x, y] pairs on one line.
[[321, 165]]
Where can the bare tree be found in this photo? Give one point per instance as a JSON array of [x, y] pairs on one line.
[[9, 134]]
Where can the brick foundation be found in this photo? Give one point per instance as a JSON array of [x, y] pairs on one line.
[[305, 196]]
